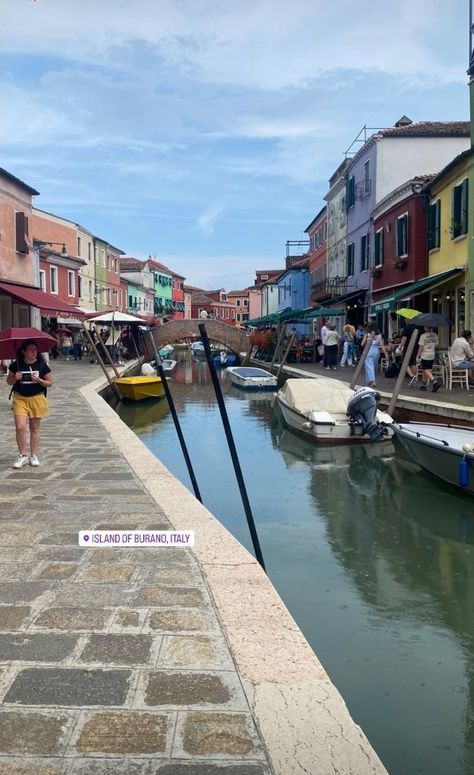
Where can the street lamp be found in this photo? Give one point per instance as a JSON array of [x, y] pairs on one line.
[[38, 244]]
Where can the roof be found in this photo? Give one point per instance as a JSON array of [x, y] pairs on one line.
[[163, 268], [131, 264], [13, 179], [450, 166], [429, 129], [317, 217], [237, 293], [201, 298]]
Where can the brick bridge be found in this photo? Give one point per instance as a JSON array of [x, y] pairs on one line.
[[236, 340]]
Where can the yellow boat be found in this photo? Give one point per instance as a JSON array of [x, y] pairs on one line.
[[138, 388]]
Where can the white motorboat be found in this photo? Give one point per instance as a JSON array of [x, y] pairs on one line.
[[250, 378], [168, 365], [447, 451], [328, 411]]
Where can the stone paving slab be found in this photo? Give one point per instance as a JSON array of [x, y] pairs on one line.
[[121, 660]]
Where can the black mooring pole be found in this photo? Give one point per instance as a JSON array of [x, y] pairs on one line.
[[169, 398], [230, 442]]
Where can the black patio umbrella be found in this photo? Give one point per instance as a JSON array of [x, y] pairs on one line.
[[430, 319]]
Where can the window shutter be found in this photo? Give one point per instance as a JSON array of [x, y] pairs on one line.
[[464, 204], [21, 229]]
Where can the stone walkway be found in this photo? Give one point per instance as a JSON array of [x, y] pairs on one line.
[[111, 660]]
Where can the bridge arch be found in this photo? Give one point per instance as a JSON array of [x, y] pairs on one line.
[[234, 339]]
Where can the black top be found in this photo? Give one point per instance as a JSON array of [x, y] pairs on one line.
[[407, 331], [28, 388]]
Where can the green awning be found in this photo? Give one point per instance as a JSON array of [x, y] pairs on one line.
[[321, 312], [391, 302]]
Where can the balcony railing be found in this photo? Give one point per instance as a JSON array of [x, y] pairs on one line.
[[330, 288]]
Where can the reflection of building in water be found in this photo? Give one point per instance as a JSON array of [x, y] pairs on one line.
[[407, 542]]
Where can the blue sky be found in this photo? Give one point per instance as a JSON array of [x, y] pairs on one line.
[[204, 131]]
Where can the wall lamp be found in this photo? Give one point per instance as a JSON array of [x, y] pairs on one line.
[[38, 244]]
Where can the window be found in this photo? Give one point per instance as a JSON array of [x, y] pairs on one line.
[[367, 177], [350, 192], [79, 285], [53, 279], [130, 302], [364, 252], [246, 302], [237, 302], [89, 247], [378, 248], [90, 290], [264, 277], [227, 313], [350, 259], [459, 210], [42, 279], [21, 230], [245, 316], [78, 246], [402, 235], [434, 224], [237, 317], [70, 283]]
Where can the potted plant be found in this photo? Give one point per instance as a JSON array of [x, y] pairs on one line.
[[399, 262], [375, 271]]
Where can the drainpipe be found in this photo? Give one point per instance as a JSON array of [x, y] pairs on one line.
[[469, 300]]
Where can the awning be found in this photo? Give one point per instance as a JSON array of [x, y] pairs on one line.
[[323, 312], [390, 303], [49, 305]]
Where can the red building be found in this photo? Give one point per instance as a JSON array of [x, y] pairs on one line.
[[400, 251], [317, 232], [214, 303]]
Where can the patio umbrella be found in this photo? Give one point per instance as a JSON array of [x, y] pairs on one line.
[[63, 331], [12, 338], [408, 313], [431, 319], [116, 317]]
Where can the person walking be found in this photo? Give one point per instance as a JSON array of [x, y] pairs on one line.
[[331, 346], [377, 345], [77, 345], [348, 333], [29, 377], [324, 333], [66, 344], [426, 356]]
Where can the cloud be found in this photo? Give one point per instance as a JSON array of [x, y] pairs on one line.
[[208, 219]]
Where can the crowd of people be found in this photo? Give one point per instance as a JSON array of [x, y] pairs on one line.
[[345, 349], [74, 345]]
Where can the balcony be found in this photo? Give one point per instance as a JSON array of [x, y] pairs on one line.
[[330, 288]]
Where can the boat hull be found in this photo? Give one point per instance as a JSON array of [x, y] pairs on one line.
[[248, 378], [435, 453], [139, 388]]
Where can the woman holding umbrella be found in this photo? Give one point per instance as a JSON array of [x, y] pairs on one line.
[[29, 377]]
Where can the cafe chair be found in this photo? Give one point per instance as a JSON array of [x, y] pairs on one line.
[[456, 376]]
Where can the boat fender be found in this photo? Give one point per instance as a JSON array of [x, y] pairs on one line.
[[463, 472], [469, 447]]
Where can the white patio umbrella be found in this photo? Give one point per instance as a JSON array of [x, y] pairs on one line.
[[117, 317]]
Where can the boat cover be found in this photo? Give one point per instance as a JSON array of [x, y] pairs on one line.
[[322, 394]]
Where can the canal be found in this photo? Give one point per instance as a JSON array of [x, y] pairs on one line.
[[373, 558]]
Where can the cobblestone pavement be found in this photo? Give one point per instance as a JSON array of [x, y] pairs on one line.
[[111, 660]]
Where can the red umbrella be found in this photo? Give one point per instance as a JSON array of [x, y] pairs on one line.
[[63, 331], [12, 338]]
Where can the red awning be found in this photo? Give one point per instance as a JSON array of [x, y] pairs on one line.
[[49, 305]]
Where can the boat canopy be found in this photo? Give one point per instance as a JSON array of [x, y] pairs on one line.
[[322, 394]]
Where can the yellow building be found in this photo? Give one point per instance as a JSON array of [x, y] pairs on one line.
[[448, 243]]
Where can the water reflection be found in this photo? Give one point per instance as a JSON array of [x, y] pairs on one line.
[[373, 557]]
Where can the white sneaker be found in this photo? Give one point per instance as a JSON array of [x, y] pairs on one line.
[[34, 461], [22, 460]]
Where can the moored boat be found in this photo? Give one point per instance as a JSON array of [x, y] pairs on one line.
[[446, 451], [328, 411], [225, 359], [250, 378], [138, 388]]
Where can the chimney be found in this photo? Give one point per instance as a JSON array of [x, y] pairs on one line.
[[404, 121]]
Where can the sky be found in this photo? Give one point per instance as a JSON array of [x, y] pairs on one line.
[[204, 132]]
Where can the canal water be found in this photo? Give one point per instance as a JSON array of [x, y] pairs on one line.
[[373, 558]]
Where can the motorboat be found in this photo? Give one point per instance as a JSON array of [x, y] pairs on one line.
[[328, 411], [138, 388], [447, 451], [166, 351], [225, 359], [149, 369], [168, 365], [251, 378]]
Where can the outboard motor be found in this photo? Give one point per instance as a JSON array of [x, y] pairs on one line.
[[362, 410]]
